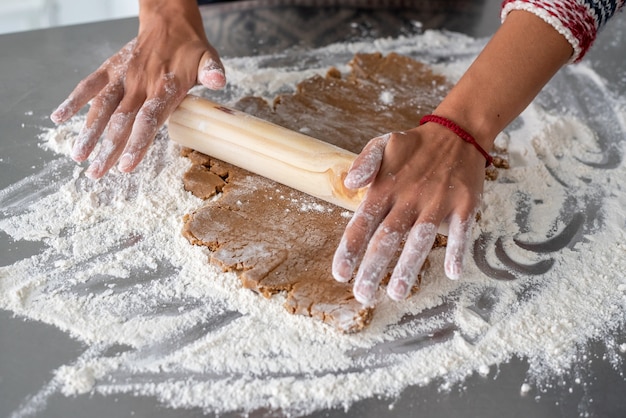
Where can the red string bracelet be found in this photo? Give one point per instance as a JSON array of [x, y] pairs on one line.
[[460, 132]]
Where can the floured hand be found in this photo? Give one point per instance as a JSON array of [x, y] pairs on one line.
[[418, 179], [428, 175], [134, 91]]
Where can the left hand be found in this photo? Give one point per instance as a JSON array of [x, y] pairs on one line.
[[418, 179], [134, 92]]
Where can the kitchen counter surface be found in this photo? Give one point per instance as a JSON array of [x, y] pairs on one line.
[[39, 68]]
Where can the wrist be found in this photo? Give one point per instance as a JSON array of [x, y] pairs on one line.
[[166, 15], [169, 10], [155, 7], [484, 126], [459, 132]]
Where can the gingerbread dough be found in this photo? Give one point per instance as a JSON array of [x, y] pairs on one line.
[[279, 239], [381, 94]]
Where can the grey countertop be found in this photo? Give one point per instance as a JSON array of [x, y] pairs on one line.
[[39, 68]]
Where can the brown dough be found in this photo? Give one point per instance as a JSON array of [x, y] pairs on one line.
[[380, 95], [279, 239], [206, 177]]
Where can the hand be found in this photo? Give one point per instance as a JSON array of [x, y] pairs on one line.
[[134, 91], [428, 175], [418, 179]]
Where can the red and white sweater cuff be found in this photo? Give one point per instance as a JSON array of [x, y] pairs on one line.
[[573, 20]]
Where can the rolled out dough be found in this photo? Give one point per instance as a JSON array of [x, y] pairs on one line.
[[278, 239]]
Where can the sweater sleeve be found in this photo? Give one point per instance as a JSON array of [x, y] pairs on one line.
[[577, 20]]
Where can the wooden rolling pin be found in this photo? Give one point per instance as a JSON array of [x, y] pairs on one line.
[[291, 158]]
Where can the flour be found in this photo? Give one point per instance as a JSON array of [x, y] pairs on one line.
[[546, 278]]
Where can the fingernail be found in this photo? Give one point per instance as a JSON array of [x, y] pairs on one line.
[[453, 270], [78, 154], [352, 180], [398, 290], [126, 162], [93, 170], [364, 294], [453, 275], [60, 114], [213, 77], [342, 271], [343, 263]]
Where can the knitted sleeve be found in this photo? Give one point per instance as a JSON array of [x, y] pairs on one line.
[[577, 20]]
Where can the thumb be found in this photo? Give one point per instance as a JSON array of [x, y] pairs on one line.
[[211, 72], [366, 165]]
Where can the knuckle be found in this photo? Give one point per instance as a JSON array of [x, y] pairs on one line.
[[359, 225], [119, 123], [105, 99], [169, 86], [132, 100]]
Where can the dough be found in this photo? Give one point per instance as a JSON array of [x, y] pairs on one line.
[[280, 240], [203, 179], [381, 94]]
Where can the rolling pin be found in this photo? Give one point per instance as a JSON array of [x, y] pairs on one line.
[[287, 157]]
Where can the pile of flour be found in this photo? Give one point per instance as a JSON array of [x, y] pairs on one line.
[[546, 278]]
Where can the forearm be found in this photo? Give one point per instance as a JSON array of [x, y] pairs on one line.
[[510, 71], [579, 21]]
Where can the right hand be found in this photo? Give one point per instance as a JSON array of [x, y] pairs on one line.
[[134, 92], [417, 180]]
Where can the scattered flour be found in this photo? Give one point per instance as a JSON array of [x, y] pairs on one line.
[[386, 97], [546, 278]]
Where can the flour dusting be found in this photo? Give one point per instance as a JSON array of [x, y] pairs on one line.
[[546, 276]]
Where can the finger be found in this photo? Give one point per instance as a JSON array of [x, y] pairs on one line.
[[80, 96], [381, 249], [102, 107], [458, 243], [113, 144], [418, 244], [147, 123], [150, 118], [355, 238], [143, 132], [365, 167], [211, 73]]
